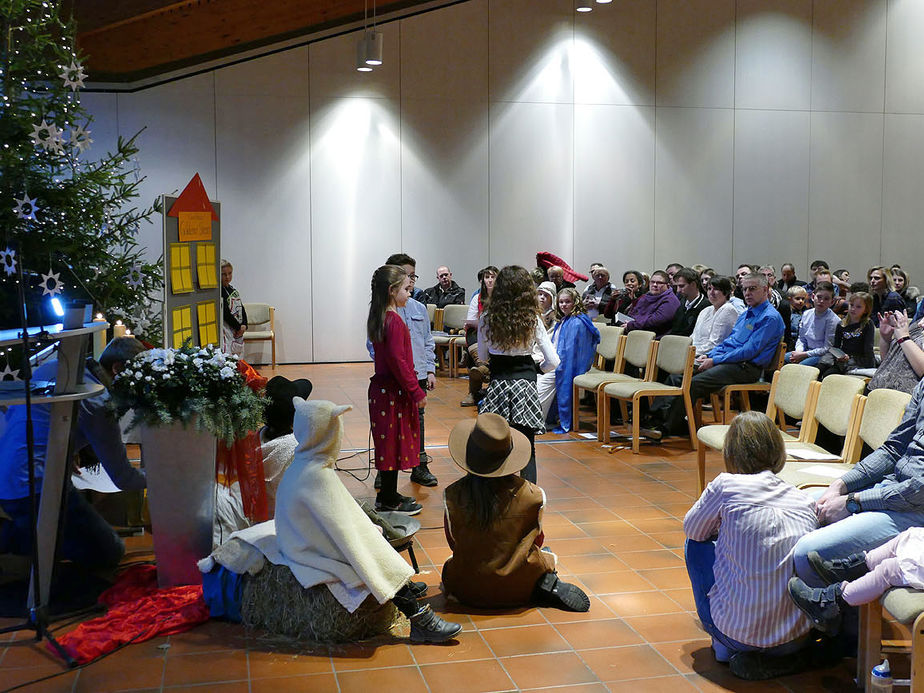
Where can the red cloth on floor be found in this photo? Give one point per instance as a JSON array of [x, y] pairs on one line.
[[138, 610]]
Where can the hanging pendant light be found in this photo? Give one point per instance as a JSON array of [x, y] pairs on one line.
[[369, 46], [583, 5]]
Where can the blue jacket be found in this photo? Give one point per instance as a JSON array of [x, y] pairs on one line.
[[97, 427], [754, 338], [417, 319], [577, 341]]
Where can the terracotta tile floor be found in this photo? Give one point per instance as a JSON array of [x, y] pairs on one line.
[[615, 523]]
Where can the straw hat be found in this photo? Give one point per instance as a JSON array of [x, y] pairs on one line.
[[486, 446]]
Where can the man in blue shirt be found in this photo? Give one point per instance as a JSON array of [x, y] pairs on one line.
[[86, 538], [741, 358]]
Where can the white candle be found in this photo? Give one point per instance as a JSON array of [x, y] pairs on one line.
[[119, 330], [99, 338]]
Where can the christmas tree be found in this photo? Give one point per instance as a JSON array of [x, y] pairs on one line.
[[66, 213]]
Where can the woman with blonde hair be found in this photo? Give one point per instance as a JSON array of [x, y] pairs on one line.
[[575, 338], [395, 394], [749, 518], [508, 331]]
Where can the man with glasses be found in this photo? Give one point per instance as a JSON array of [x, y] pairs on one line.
[[446, 292], [741, 358]]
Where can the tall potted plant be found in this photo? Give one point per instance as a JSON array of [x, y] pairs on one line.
[[185, 400]]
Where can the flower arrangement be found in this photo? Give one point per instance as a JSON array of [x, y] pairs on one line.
[[199, 385]]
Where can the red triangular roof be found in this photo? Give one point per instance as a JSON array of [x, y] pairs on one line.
[[193, 199]]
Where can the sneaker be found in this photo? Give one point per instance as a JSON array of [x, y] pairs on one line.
[[550, 591], [757, 666], [468, 401], [821, 604], [377, 484], [404, 505], [655, 434], [418, 588], [426, 626], [423, 476], [838, 569]]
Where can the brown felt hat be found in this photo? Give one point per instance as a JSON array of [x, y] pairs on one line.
[[487, 446]]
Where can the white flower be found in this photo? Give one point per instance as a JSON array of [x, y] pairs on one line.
[[139, 375], [226, 372], [166, 376], [148, 378]]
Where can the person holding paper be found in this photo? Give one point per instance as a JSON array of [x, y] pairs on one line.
[[880, 497], [86, 537]]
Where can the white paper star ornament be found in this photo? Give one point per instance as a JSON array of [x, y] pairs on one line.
[[51, 284], [7, 371], [73, 76], [8, 261], [80, 138], [25, 208], [135, 276]]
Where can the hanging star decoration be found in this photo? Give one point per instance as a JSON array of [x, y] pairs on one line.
[[55, 287], [135, 276], [7, 371], [48, 137], [73, 75], [25, 208], [80, 138], [8, 261]]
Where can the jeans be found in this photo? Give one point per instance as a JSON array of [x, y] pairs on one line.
[[423, 454], [700, 559], [853, 534], [86, 538], [705, 383]]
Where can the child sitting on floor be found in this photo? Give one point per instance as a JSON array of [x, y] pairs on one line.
[[740, 537], [860, 578]]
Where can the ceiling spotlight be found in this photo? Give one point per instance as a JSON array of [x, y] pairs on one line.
[[369, 46], [583, 6], [604, 2], [373, 40]]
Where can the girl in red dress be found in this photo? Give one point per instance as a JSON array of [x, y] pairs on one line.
[[394, 393]]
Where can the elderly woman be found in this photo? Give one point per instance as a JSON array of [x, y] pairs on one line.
[[598, 293]]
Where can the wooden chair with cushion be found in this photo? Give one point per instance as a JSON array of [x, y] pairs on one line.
[[674, 357], [453, 319], [745, 389], [877, 416], [261, 325], [793, 387], [640, 350], [612, 342], [905, 605]]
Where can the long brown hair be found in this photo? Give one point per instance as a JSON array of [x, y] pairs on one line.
[[511, 317], [384, 280]]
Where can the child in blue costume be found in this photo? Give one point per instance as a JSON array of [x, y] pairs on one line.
[[575, 338]]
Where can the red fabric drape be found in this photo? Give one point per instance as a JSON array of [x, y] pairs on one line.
[[546, 260], [138, 610]]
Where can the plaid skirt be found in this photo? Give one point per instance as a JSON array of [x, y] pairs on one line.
[[516, 400]]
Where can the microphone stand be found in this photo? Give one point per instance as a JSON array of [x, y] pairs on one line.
[[37, 618]]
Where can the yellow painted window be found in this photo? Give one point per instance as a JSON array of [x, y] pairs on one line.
[[180, 268], [208, 323], [182, 325], [206, 266]]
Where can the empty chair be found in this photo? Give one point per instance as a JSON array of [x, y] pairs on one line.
[[610, 347], [792, 388], [675, 357], [453, 319], [261, 325], [878, 414], [639, 351]]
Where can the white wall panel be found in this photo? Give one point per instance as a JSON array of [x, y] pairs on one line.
[[530, 50], [903, 202], [178, 142], [614, 54], [771, 187], [444, 187], [696, 53], [104, 129], [693, 186], [614, 188], [904, 75], [773, 63], [848, 55], [444, 55], [531, 179], [261, 117], [846, 189]]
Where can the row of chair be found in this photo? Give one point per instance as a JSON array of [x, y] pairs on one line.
[[442, 320]]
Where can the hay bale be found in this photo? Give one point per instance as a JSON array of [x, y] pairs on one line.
[[275, 601]]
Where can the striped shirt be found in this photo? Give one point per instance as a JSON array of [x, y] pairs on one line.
[[758, 519]]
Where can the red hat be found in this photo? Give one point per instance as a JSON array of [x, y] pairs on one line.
[[546, 260]]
